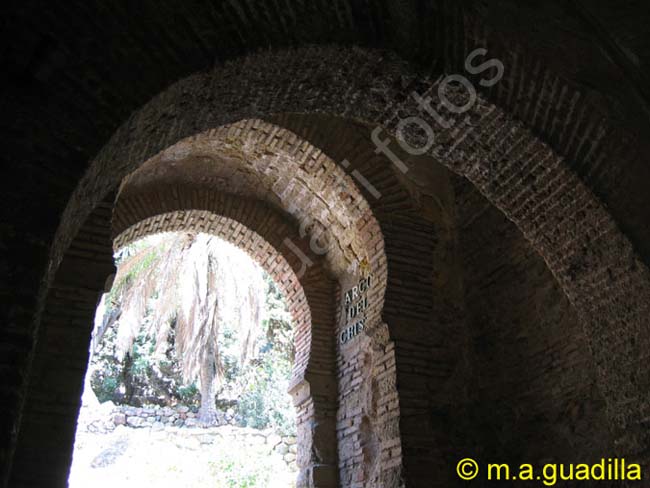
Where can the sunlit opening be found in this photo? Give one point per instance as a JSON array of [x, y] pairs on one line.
[[190, 363]]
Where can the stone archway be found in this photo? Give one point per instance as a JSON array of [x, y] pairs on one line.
[[309, 295], [591, 259], [229, 170], [593, 262], [244, 211]]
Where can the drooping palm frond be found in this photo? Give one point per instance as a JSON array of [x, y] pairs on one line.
[[165, 307], [197, 320], [135, 283], [251, 289], [199, 282]]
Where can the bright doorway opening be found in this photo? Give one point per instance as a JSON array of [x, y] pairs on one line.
[[190, 363]]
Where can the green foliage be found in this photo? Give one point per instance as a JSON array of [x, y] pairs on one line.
[[264, 401], [105, 387], [148, 260], [234, 469], [141, 377], [141, 359], [256, 388], [106, 380], [189, 394]]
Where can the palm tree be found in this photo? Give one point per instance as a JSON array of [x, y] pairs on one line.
[[197, 282]]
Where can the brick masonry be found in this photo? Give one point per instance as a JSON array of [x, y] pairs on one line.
[[314, 367], [553, 191]]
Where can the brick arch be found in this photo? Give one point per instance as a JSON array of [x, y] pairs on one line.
[[309, 297], [257, 229], [319, 286], [590, 258], [230, 171], [436, 32], [253, 159]]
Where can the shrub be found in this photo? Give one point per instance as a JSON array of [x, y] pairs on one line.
[[256, 389], [105, 387], [234, 469], [189, 394], [265, 402]]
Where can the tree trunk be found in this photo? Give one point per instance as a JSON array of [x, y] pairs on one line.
[[208, 409], [127, 379]]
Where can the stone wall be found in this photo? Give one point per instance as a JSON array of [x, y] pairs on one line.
[[155, 416], [178, 425], [180, 422]]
